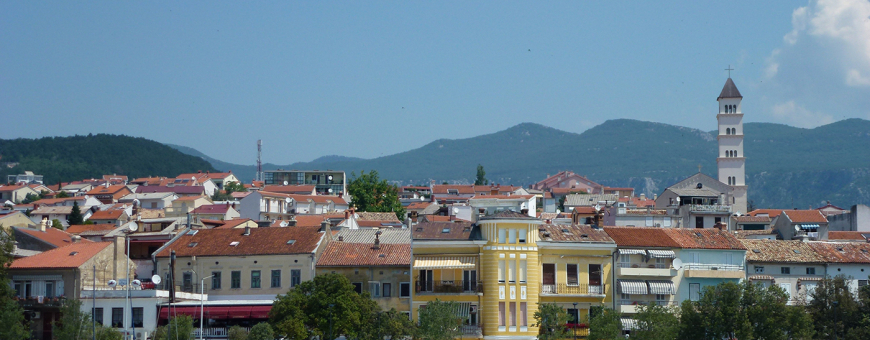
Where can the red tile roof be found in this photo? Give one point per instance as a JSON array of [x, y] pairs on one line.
[[233, 223], [460, 189], [53, 201], [455, 231], [641, 237], [71, 256], [323, 199], [704, 239], [190, 198], [780, 251], [341, 254], [847, 235], [55, 237], [572, 233], [83, 228], [436, 218], [805, 216], [261, 241], [289, 189], [770, 212], [843, 252], [102, 190], [107, 215], [211, 209], [418, 205], [303, 221]]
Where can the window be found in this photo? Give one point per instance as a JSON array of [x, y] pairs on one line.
[[523, 271], [276, 278], [236, 279], [512, 236], [624, 259], [357, 287], [501, 316], [759, 269], [649, 221], [375, 289], [717, 220], [502, 235], [98, 316], [811, 271], [138, 317], [215, 280], [524, 319], [187, 282], [49, 289], [255, 279], [512, 271], [469, 280], [862, 283], [694, 291], [785, 270], [573, 280], [513, 313], [595, 279], [404, 289], [661, 299], [787, 288], [388, 289], [295, 277], [501, 271], [699, 222], [118, 317], [522, 235], [573, 315]]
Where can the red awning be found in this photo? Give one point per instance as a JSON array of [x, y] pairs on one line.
[[165, 312], [240, 312], [260, 312], [216, 313]]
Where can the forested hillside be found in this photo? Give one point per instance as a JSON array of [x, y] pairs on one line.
[[80, 157]]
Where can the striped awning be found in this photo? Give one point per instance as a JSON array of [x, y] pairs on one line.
[[809, 226], [445, 262], [632, 252], [760, 277], [662, 254], [664, 287], [636, 287], [810, 279], [463, 310], [628, 324]]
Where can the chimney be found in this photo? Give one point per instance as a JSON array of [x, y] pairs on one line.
[[414, 216], [324, 226], [292, 221], [642, 196], [347, 214], [524, 211], [43, 224], [340, 238], [377, 240], [247, 231], [76, 238]]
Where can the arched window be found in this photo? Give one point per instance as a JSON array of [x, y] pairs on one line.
[[728, 131]]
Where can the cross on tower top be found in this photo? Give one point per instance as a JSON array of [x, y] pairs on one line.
[[729, 69], [699, 168]]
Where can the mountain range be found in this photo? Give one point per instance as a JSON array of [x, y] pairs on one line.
[[786, 167]]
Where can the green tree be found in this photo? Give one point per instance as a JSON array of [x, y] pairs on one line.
[[390, 323], [691, 322], [55, 223], [30, 198], [551, 319], [799, 324], [606, 325], [313, 308], [229, 189], [237, 333], [656, 322], [11, 314], [75, 216], [481, 176], [834, 308], [179, 328], [370, 193], [62, 194], [261, 331], [720, 308], [438, 321], [763, 312]]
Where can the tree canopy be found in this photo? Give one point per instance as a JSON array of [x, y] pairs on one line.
[[438, 321], [370, 193], [551, 319], [11, 314], [481, 176]]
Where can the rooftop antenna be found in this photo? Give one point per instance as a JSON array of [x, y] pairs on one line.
[[259, 160]]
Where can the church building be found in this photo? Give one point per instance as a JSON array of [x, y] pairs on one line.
[[702, 201]]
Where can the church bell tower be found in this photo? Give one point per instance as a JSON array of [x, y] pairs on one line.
[[731, 161]]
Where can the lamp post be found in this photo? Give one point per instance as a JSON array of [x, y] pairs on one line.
[[330, 322], [202, 305], [576, 320]]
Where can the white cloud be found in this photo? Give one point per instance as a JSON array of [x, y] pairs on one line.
[[841, 27], [794, 114]]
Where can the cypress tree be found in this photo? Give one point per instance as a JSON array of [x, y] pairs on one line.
[[75, 216]]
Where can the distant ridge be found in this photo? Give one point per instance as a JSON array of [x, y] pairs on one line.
[[787, 167]]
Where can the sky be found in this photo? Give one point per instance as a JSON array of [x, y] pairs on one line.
[[370, 79]]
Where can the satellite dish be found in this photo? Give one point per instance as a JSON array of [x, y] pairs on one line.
[[112, 283], [193, 178], [678, 198], [285, 182], [677, 264], [287, 199], [330, 190], [455, 211], [136, 283], [797, 228], [283, 223], [133, 226], [597, 207], [156, 279], [136, 202]]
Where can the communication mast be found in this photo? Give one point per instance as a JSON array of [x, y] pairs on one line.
[[259, 160]]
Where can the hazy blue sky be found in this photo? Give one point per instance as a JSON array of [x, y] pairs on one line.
[[369, 79]]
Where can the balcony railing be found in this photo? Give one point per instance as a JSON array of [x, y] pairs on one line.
[[37, 301], [567, 289], [716, 208], [447, 287], [642, 265], [703, 266], [647, 302], [215, 332], [471, 330]]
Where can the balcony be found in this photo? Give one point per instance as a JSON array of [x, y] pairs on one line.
[[448, 287], [709, 208], [643, 269], [630, 306], [34, 301], [722, 271], [573, 290], [215, 332], [472, 330]]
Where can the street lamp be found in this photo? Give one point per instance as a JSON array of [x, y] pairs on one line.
[[576, 320], [202, 305]]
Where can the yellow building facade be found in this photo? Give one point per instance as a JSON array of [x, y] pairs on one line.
[[502, 267]]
